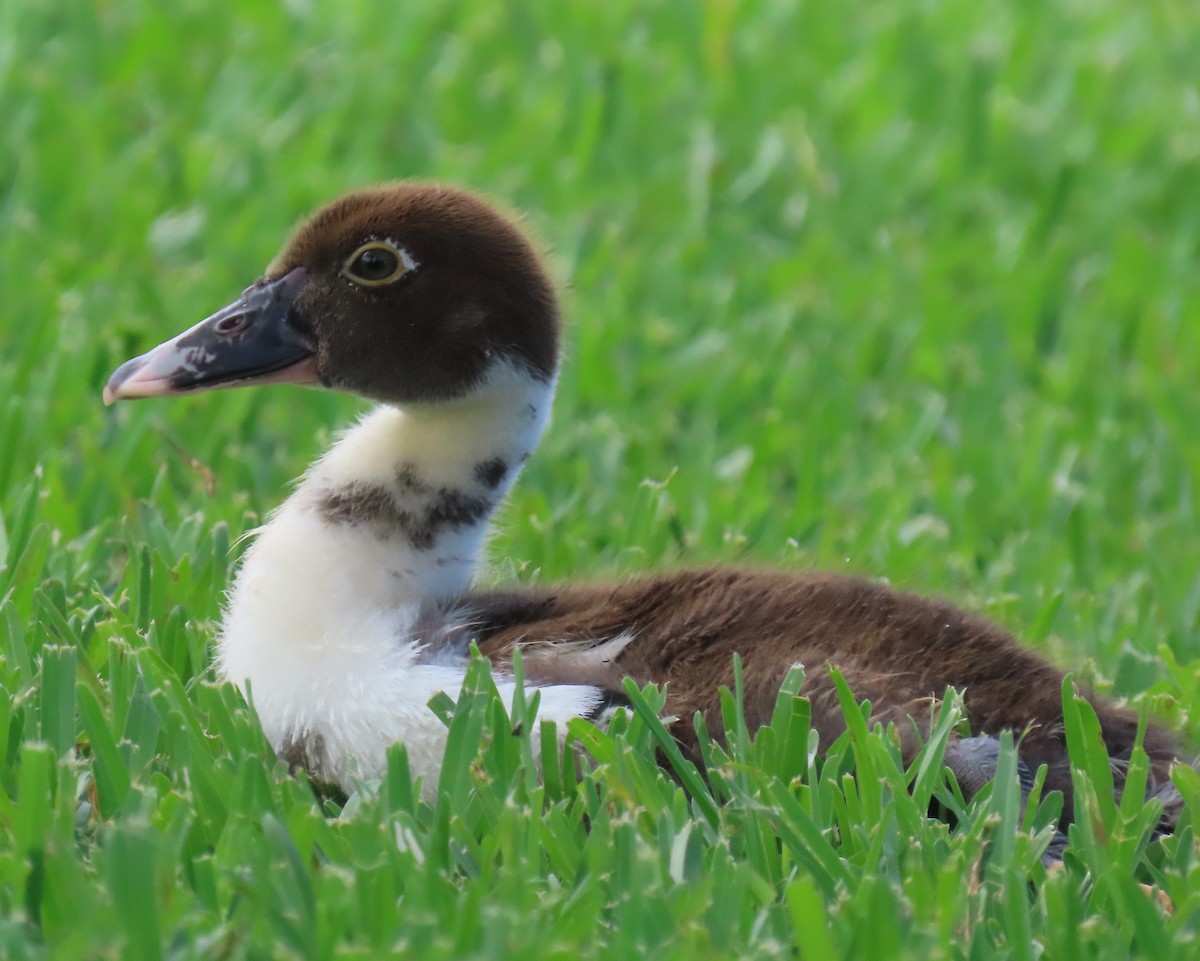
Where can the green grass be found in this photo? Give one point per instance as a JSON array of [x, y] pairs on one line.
[[898, 288]]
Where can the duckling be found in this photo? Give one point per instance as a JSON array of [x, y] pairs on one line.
[[356, 601]]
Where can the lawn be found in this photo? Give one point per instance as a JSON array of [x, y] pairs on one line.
[[904, 289]]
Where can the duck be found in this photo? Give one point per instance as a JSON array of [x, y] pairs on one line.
[[357, 601]]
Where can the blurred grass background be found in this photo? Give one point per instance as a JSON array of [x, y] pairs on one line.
[[906, 289]]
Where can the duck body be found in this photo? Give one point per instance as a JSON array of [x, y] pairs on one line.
[[356, 602], [898, 650]]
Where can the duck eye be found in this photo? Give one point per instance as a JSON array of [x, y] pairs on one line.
[[376, 263]]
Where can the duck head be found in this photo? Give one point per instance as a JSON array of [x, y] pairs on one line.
[[404, 294]]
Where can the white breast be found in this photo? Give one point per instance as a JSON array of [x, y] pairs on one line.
[[325, 623]]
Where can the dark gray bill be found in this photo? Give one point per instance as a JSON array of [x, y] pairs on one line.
[[252, 341]]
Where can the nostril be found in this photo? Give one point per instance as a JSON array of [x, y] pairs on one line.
[[230, 325]]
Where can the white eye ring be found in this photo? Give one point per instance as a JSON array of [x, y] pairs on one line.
[[377, 263]]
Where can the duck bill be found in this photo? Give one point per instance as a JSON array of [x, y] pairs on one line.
[[254, 340]]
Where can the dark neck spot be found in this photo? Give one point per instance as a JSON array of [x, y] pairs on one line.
[[450, 509], [409, 480], [418, 513], [491, 472], [454, 509], [358, 504]]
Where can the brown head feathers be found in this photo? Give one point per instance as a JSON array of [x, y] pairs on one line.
[[471, 288]]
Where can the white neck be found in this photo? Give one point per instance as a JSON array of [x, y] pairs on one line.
[[422, 484], [327, 618]]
